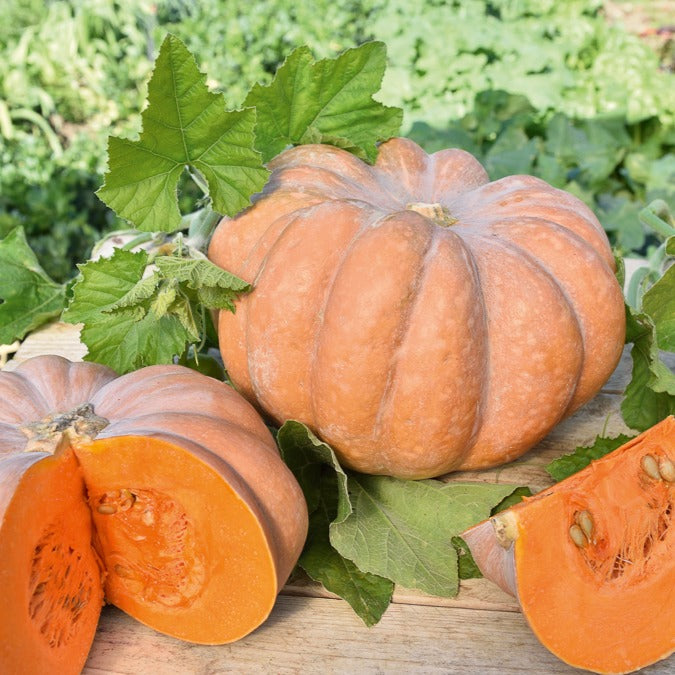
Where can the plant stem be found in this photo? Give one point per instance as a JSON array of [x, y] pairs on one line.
[[654, 216]]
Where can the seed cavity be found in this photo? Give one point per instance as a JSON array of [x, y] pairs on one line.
[[577, 536], [650, 466]]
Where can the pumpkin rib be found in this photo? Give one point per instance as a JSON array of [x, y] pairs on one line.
[[366, 223], [64, 384], [537, 262], [432, 435], [403, 329], [583, 221], [294, 311], [12, 386], [169, 384], [338, 191], [472, 175], [533, 371], [350, 373], [594, 337]]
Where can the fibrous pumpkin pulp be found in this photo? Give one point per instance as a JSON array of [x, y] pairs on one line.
[[418, 317], [161, 491], [592, 559]]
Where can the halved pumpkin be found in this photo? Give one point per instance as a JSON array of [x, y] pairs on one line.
[[161, 490], [592, 559]]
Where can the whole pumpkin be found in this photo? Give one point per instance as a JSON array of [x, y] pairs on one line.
[[418, 317], [161, 490]]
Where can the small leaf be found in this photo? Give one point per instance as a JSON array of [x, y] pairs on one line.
[[465, 563], [128, 337], [565, 466], [29, 297], [214, 287], [326, 101], [184, 124], [650, 395], [659, 303]]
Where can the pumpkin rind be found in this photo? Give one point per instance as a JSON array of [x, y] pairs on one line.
[[177, 473], [419, 318], [591, 560]]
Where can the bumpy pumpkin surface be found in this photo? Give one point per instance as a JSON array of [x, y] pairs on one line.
[[161, 490], [592, 559], [418, 317]]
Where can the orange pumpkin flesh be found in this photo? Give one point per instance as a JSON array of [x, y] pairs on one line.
[[165, 486], [419, 318], [51, 577], [600, 598]]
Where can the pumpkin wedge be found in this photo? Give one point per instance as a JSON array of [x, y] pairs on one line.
[[592, 559], [161, 491]]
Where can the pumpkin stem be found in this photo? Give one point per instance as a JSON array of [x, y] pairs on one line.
[[58, 429], [436, 212]]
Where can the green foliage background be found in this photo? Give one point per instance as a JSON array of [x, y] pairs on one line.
[[536, 86]]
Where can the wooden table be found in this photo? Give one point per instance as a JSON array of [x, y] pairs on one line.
[[309, 631]]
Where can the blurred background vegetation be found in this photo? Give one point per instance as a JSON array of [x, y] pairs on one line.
[[578, 92]]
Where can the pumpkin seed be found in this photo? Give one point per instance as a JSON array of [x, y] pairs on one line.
[[667, 469], [124, 572], [148, 517], [585, 523], [577, 536], [650, 467], [106, 509]]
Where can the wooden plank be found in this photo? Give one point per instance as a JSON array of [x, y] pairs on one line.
[[313, 635]]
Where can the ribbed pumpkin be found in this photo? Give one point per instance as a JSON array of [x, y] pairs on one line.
[[418, 317], [161, 490], [592, 559]]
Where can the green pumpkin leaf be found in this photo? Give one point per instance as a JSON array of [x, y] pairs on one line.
[[659, 303], [184, 124], [650, 395], [402, 530], [125, 329], [565, 466], [29, 298], [326, 101], [324, 485], [213, 287]]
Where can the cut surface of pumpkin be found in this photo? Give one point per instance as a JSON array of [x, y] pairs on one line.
[[592, 559], [161, 491], [185, 554], [51, 576]]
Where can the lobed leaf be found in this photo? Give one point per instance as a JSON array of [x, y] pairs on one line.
[[327, 101], [184, 124], [123, 329]]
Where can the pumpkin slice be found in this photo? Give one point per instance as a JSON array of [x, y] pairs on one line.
[[162, 490], [592, 559], [181, 537], [50, 575]]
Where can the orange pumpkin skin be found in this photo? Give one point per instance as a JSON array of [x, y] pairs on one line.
[[418, 317], [162, 490], [592, 559]]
